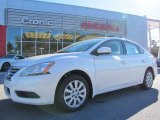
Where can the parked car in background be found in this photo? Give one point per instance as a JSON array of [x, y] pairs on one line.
[[158, 63], [80, 71], [8, 60]]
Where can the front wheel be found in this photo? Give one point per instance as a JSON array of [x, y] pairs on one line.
[[73, 93], [148, 80]]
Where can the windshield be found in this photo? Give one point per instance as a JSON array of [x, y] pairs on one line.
[[8, 56], [79, 46]]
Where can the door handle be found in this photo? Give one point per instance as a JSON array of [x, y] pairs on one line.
[[123, 62]]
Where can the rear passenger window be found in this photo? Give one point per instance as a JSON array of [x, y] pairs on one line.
[[141, 50], [132, 49]]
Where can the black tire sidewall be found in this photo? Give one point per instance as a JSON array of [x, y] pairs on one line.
[[4, 66], [60, 93]]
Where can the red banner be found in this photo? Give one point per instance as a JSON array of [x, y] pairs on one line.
[[2, 40]]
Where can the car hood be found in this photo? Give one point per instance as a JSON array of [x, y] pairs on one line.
[[44, 58]]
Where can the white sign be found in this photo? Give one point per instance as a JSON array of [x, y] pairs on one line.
[[36, 21]]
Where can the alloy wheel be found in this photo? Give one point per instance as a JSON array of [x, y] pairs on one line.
[[149, 79], [75, 93]]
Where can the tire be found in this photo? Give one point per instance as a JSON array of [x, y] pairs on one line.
[[5, 66], [68, 97], [148, 80]]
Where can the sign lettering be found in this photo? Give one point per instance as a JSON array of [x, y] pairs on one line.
[[99, 26], [37, 22]]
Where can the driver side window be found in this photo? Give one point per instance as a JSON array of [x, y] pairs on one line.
[[115, 45]]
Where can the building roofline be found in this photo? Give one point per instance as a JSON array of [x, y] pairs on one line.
[[87, 7], [153, 20]]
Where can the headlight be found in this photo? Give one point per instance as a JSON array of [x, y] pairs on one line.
[[38, 69]]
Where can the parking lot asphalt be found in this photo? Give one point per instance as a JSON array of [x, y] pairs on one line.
[[130, 103], [2, 75]]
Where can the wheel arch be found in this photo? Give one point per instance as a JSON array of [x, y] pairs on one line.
[[77, 72], [6, 62]]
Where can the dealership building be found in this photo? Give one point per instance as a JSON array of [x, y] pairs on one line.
[[30, 28]]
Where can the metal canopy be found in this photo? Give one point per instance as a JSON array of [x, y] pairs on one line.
[[152, 24]]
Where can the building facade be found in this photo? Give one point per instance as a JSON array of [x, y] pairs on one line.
[[30, 28]]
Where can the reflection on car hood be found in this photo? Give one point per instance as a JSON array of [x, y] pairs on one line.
[[43, 58]]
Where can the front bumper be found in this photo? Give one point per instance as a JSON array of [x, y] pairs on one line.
[[44, 86]]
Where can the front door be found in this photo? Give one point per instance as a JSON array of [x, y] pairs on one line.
[[111, 69]]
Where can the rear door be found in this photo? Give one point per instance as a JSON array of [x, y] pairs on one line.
[[136, 60]]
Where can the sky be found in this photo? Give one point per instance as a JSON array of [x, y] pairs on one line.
[[148, 8]]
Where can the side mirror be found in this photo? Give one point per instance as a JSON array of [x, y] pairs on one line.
[[104, 50]]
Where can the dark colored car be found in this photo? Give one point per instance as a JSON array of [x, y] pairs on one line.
[[158, 62]]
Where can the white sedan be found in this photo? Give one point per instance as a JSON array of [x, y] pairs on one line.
[[80, 71], [8, 60]]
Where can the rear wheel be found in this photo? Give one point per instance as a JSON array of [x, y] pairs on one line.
[[73, 93], [148, 80], [5, 66]]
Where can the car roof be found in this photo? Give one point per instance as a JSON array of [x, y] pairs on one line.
[[117, 38], [110, 38]]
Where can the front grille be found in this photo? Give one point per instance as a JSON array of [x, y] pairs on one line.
[[11, 72]]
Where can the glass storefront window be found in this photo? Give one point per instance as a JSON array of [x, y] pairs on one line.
[[42, 48], [55, 47], [60, 46], [68, 36], [28, 34], [56, 40], [14, 47], [28, 49], [56, 35], [110, 35], [37, 41], [80, 35], [13, 34], [101, 35], [43, 35], [66, 44], [91, 35]]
